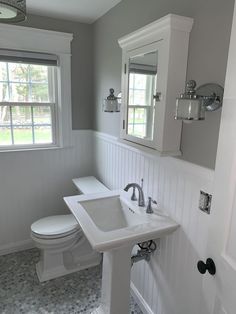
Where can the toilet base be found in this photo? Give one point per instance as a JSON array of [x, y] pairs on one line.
[[90, 260], [60, 257]]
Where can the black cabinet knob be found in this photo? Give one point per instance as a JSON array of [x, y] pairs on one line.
[[208, 266]]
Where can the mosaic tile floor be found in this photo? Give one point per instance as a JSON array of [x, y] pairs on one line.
[[21, 292]]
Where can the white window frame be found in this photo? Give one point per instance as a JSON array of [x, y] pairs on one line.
[[52, 78], [24, 39]]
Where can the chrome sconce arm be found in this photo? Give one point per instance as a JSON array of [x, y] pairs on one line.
[[193, 104]]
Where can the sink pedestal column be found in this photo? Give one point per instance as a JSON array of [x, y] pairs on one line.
[[116, 282]]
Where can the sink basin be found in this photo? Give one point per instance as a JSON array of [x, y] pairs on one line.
[[109, 213], [113, 224], [110, 220]]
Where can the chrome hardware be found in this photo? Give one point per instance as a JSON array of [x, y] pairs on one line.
[[142, 183], [146, 249], [149, 209], [141, 201], [133, 197], [157, 97]]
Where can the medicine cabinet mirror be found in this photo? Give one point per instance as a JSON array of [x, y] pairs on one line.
[[141, 94], [154, 65]]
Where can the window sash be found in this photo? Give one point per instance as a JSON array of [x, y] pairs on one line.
[[149, 111], [51, 83], [11, 125]]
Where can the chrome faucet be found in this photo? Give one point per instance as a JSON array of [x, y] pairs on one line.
[[141, 201]]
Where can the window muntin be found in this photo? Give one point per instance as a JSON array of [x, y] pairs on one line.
[[27, 105]]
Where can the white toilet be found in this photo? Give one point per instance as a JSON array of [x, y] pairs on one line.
[[63, 247]]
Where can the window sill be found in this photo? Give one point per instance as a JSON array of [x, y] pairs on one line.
[[30, 149]]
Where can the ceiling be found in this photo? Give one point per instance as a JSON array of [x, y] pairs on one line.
[[86, 11]]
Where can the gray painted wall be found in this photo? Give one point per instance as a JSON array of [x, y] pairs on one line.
[[82, 66], [208, 52]]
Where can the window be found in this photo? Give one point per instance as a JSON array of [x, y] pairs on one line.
[[27, 102]]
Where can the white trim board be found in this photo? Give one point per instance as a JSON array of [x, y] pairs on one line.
[[16, 247], [145, 308]]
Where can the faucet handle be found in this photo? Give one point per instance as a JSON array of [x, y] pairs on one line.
[[149, 209], [151, 200], [142, 183]]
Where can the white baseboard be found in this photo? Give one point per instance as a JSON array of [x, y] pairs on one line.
[[145, 308], [16, 247]]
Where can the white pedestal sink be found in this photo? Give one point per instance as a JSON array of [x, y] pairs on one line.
[[113, 225]]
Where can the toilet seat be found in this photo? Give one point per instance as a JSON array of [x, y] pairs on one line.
[[54, 227]]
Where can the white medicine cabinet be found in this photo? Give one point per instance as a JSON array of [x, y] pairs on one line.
[[154, 63]]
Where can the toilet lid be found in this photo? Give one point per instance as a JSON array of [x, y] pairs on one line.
[[54, 225]]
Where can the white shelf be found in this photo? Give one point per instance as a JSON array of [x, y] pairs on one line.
[[89, 185]]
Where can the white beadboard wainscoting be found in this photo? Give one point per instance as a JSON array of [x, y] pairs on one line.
[[170, 283], [33, 183]]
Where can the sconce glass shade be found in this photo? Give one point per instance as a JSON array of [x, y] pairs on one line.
[[12, 11], [189, 109], [111, 103], [193, 104]]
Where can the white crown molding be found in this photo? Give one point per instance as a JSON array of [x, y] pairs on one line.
[[16, 28], [168, 22], [33, 39]]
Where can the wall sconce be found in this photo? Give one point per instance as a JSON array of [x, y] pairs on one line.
[[112, 103], [193, 104]]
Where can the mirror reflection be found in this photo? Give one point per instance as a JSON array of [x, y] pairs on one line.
[[141, 95]]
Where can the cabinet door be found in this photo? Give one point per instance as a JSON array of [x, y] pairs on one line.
[[143, 94]]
